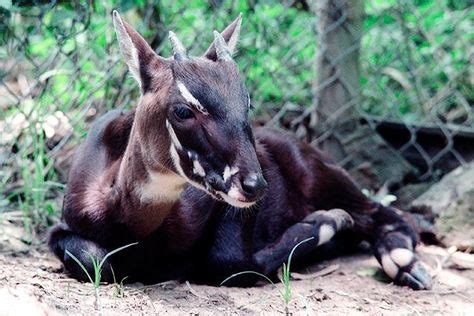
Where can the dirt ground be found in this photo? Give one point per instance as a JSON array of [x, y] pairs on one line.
[[32, 283]]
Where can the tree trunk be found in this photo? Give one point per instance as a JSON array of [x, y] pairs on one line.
[[337, 88]]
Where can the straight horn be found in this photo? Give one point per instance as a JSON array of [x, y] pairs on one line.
[[179, 52]]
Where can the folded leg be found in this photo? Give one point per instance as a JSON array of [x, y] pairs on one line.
[[61, 238], [320, 225]]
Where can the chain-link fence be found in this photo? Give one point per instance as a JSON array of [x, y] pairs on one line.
[[398, 66], [399, 71]]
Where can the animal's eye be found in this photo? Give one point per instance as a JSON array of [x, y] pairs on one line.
[[183, 113]]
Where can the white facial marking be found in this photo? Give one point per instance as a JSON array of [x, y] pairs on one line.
[[235, 198], [229, 172], [198, 169], [176, 160], [326, 232], [234, 193], [161, 187], [189, 97], [174, 138], [389, 266], [401, 256], [177, 165]]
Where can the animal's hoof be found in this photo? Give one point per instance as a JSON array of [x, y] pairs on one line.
[[401, 265], [417, 277]]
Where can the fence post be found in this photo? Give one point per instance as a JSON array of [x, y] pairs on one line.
[[337, 94], [337, 88]]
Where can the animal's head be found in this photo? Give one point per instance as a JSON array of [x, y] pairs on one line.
[[193, 114]]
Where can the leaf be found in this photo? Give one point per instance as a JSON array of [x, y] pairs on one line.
[[367, 272], [375, 273]]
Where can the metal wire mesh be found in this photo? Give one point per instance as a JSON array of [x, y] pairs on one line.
[[407, 79]]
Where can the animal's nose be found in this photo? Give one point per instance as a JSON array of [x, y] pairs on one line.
[[254, 186]]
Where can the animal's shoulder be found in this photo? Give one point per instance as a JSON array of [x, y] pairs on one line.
[[112, 130]]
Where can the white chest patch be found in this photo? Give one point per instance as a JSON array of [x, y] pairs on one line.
[[161, 187]]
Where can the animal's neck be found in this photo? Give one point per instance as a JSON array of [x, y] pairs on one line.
[[150, 189]]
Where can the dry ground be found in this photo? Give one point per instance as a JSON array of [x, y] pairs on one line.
[[32, 282]]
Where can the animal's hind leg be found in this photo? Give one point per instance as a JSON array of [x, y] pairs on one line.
[[320, 225], [61, 238], [394, 245]]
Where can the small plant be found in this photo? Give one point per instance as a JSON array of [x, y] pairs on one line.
[[97, 265], [285, 293], [119, 290]]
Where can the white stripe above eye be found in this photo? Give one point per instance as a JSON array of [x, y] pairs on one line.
[[189, 97]]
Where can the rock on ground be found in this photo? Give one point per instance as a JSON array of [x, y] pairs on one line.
[[452, 201]]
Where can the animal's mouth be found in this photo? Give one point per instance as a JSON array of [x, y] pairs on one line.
[[236, 201]]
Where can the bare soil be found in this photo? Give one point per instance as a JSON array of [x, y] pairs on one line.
[[32, 282]]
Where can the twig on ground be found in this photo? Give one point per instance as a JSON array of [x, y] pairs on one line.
[[303, 276], [190, 289], [440, 263]]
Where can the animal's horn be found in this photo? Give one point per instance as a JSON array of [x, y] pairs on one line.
[[179, 51], [222, 50]]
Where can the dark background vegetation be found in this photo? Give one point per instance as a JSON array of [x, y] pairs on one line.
[[60, 68]]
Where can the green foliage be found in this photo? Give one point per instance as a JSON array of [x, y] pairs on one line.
[[417, 59]]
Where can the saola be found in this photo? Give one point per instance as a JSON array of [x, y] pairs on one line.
[[204, 195]]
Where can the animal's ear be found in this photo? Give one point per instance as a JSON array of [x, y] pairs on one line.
[[231, 36], [135, 50]]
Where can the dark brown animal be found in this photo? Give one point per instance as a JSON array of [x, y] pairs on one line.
[[204, 195]]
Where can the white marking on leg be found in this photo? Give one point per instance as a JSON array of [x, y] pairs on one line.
[[326, 232], [401, 256], [198, 169], [229, 172], [190, 98], [389, 266], [388, 228]]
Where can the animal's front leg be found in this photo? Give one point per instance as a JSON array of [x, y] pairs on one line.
[[320, 225], [394, 247]]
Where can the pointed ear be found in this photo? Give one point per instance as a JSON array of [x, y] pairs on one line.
[[135, 50], [231, 37]]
